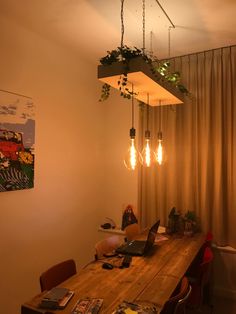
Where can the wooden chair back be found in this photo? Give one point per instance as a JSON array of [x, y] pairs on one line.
[[177, 301], [131, 231], [107, 245], [181, 304], [57, 274]]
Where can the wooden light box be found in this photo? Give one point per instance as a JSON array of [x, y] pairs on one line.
[[144, 82]]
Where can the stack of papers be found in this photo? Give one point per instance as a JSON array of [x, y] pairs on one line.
[[131, 308]]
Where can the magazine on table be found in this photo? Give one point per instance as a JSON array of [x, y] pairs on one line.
[[87, 306], [131, 308]]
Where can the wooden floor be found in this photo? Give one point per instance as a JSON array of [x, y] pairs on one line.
[[220, 306]]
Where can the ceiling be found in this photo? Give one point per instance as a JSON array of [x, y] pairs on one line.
[[92, 27]]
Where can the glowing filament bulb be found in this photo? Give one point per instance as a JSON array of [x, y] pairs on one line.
[[131, 157], [147, 156], [159, 155], [147, 153], [133, 154]]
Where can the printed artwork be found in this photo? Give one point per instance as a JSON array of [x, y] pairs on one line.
[[17, 139]]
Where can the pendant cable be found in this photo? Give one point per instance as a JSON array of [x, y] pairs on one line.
[[122, 24], [144, 27]]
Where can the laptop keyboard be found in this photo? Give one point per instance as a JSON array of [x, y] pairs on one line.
[[135, 246]]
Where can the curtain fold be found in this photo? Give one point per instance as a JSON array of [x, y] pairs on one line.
[[199, 138]]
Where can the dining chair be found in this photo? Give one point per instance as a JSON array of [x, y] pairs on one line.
[[107, 246], [177, 302], [57, 274], [131, 231], [200, 280], [180, 307], [194, 267]]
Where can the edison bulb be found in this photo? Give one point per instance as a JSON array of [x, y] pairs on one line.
[[160, 154], [147, 155], [131, 158]]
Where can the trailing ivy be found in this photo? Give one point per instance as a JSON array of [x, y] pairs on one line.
[[125, 54], [105, 92]]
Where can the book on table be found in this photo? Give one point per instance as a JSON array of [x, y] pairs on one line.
[[56, 298]]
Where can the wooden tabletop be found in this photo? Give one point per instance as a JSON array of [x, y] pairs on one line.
[[150, 279]]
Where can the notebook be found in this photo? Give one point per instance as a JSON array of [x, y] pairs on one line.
[[137, 247], [56, 298]]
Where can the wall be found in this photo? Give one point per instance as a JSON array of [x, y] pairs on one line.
[[121, 184], [74, 186]]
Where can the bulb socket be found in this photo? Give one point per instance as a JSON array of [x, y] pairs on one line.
[[159, 135], [132, 133], [147, 134]]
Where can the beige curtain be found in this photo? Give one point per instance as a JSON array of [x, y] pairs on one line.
[[200, 143]]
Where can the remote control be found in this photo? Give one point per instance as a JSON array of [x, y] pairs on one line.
[[126, 261]]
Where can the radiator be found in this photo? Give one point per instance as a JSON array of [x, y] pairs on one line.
[[224, 271]]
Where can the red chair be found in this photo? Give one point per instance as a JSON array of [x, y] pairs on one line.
[[176, 303], [199, 279], [193, 268], [57, 274]]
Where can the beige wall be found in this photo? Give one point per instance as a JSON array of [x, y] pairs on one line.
[[79, 178], [121, 184]]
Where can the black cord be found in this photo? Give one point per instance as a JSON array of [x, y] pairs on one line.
[[122, 24], [132, 106]]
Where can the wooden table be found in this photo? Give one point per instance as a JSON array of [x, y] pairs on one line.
[[150, 279]]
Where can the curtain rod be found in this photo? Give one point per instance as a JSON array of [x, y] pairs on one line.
[[198, 52], [6, 91], [165, 13]]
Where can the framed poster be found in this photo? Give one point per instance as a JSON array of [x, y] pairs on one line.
[[17, 139]]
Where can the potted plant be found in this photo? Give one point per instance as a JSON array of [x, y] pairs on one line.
[[190, 223], [124, 56]]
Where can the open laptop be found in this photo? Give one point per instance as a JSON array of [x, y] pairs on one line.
[[138, 247]]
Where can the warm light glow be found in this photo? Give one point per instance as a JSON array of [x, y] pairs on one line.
[[133, 153], [146, 153], [159, 154], [131, 158]]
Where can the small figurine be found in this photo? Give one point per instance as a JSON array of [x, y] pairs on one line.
[[128, 217], [173, 221]]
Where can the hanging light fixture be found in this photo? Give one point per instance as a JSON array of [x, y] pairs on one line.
[[160, 154], [132, 155], [147, 155], [141, 74]]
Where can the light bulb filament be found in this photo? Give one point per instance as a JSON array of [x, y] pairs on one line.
[[159, 152], [133, 159], [147, 154]]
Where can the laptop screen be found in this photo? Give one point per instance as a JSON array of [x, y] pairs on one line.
[[151, 236]]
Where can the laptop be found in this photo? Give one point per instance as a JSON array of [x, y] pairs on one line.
[[138, 247]]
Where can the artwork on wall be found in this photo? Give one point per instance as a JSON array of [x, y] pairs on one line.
[[17, 139]]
